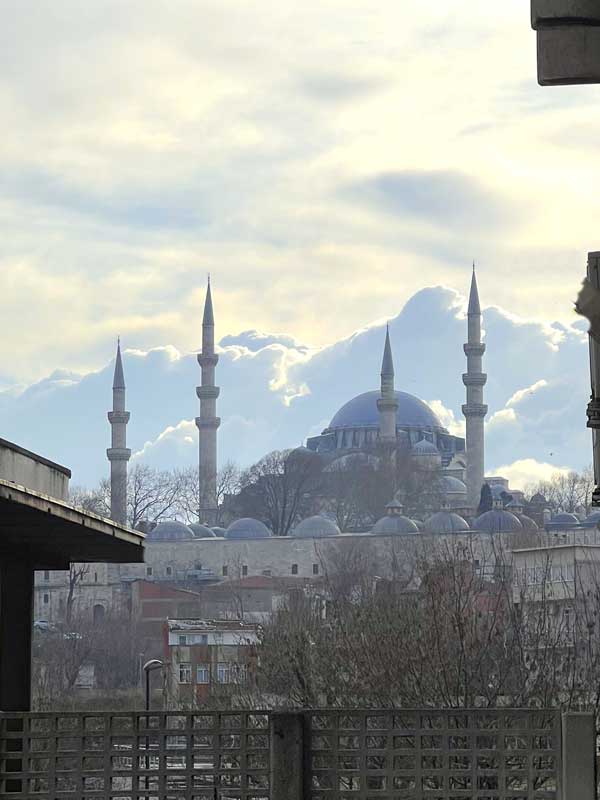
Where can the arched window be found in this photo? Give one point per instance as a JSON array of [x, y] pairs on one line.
[[99, 613]]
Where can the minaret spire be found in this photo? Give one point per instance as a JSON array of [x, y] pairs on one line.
[[208, 422], [118, 454], [387, 403], [474, 409]]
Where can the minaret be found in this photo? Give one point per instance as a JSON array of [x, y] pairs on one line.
[[474, 409], [118, 454], [208, 422], [387, 404]]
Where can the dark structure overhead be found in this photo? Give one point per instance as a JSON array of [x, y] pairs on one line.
[[49, 534], [568, 41]]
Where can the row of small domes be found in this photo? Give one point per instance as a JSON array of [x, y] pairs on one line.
[[494, 521]]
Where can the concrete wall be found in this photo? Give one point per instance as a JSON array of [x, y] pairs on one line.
[[32, 471]]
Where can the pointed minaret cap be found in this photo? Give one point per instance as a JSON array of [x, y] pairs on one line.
[[474, 307], [119, 378], [387, 365], [208, 318]]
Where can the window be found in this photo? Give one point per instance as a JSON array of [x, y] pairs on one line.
[[266, 573], [99, 613], [224, 672], [169, 570], [294, 569], [239, 673], [149, 571], [183, 639], [95, 577], [46, 574], [202, 639], [225, 570], [245, 570], [46, 599], [315, 569], [185, 673], [203, 673]]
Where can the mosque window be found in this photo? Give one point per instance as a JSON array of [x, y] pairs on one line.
[[149, 572], [169, 570], [294, 569], [244, 570], [225, 570], [315, 569], [46, 574], [46, 599], [95, 577]]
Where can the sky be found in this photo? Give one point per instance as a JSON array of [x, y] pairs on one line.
[[324, 161]]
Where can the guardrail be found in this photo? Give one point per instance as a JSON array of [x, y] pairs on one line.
[[308, 755]]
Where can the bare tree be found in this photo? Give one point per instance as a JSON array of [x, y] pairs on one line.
[[188, 501], [567, 492], [279, 488], [77, 573]]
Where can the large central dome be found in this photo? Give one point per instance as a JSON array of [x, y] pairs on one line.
[[362, 412]]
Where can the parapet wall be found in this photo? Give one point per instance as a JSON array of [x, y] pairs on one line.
[[25, 468]]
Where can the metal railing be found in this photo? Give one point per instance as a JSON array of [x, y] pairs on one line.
[[308, 755]]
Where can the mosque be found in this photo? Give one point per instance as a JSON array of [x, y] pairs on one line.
[[382, 423]]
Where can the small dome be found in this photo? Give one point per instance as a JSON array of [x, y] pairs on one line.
[[247, 528], [170, 531], [425, 448], [527, 523], [564, 519], [395, 524], [316, 527], [538, 500], [451, 485], [201, 531], [219, 532], [446, 522], [497, 521]]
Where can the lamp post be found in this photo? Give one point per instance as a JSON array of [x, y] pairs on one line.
[[149, 667]]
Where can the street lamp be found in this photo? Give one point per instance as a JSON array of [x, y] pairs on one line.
[[149, 667]]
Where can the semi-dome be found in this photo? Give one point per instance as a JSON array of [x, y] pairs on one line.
[[201, 531], [394, 523], [247, 528], [425, 448], [316, 527], [362, 412], [170, 531], [451, 485], [565, 519], [446, 522], [497, 521], [219, 532]]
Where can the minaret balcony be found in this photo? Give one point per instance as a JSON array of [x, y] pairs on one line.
[[208, 359], [118, 454], [387, 404], [474, 379], [118, 417], [474, 410], [208, 392], [207, 423], [474, 348]]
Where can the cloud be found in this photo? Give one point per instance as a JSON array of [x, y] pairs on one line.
[[443, 198], [522, 394], [526, 472], [275, 393]]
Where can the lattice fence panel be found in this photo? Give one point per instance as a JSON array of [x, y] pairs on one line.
[[434, 755], [135, 756]]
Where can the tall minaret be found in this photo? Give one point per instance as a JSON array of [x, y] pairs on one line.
[[118, 454], [208, 422], [387, 404], [474, 409]]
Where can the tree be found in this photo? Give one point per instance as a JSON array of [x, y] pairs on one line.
[[188, 501], [486, 499], [567, 491], [278, 489]]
